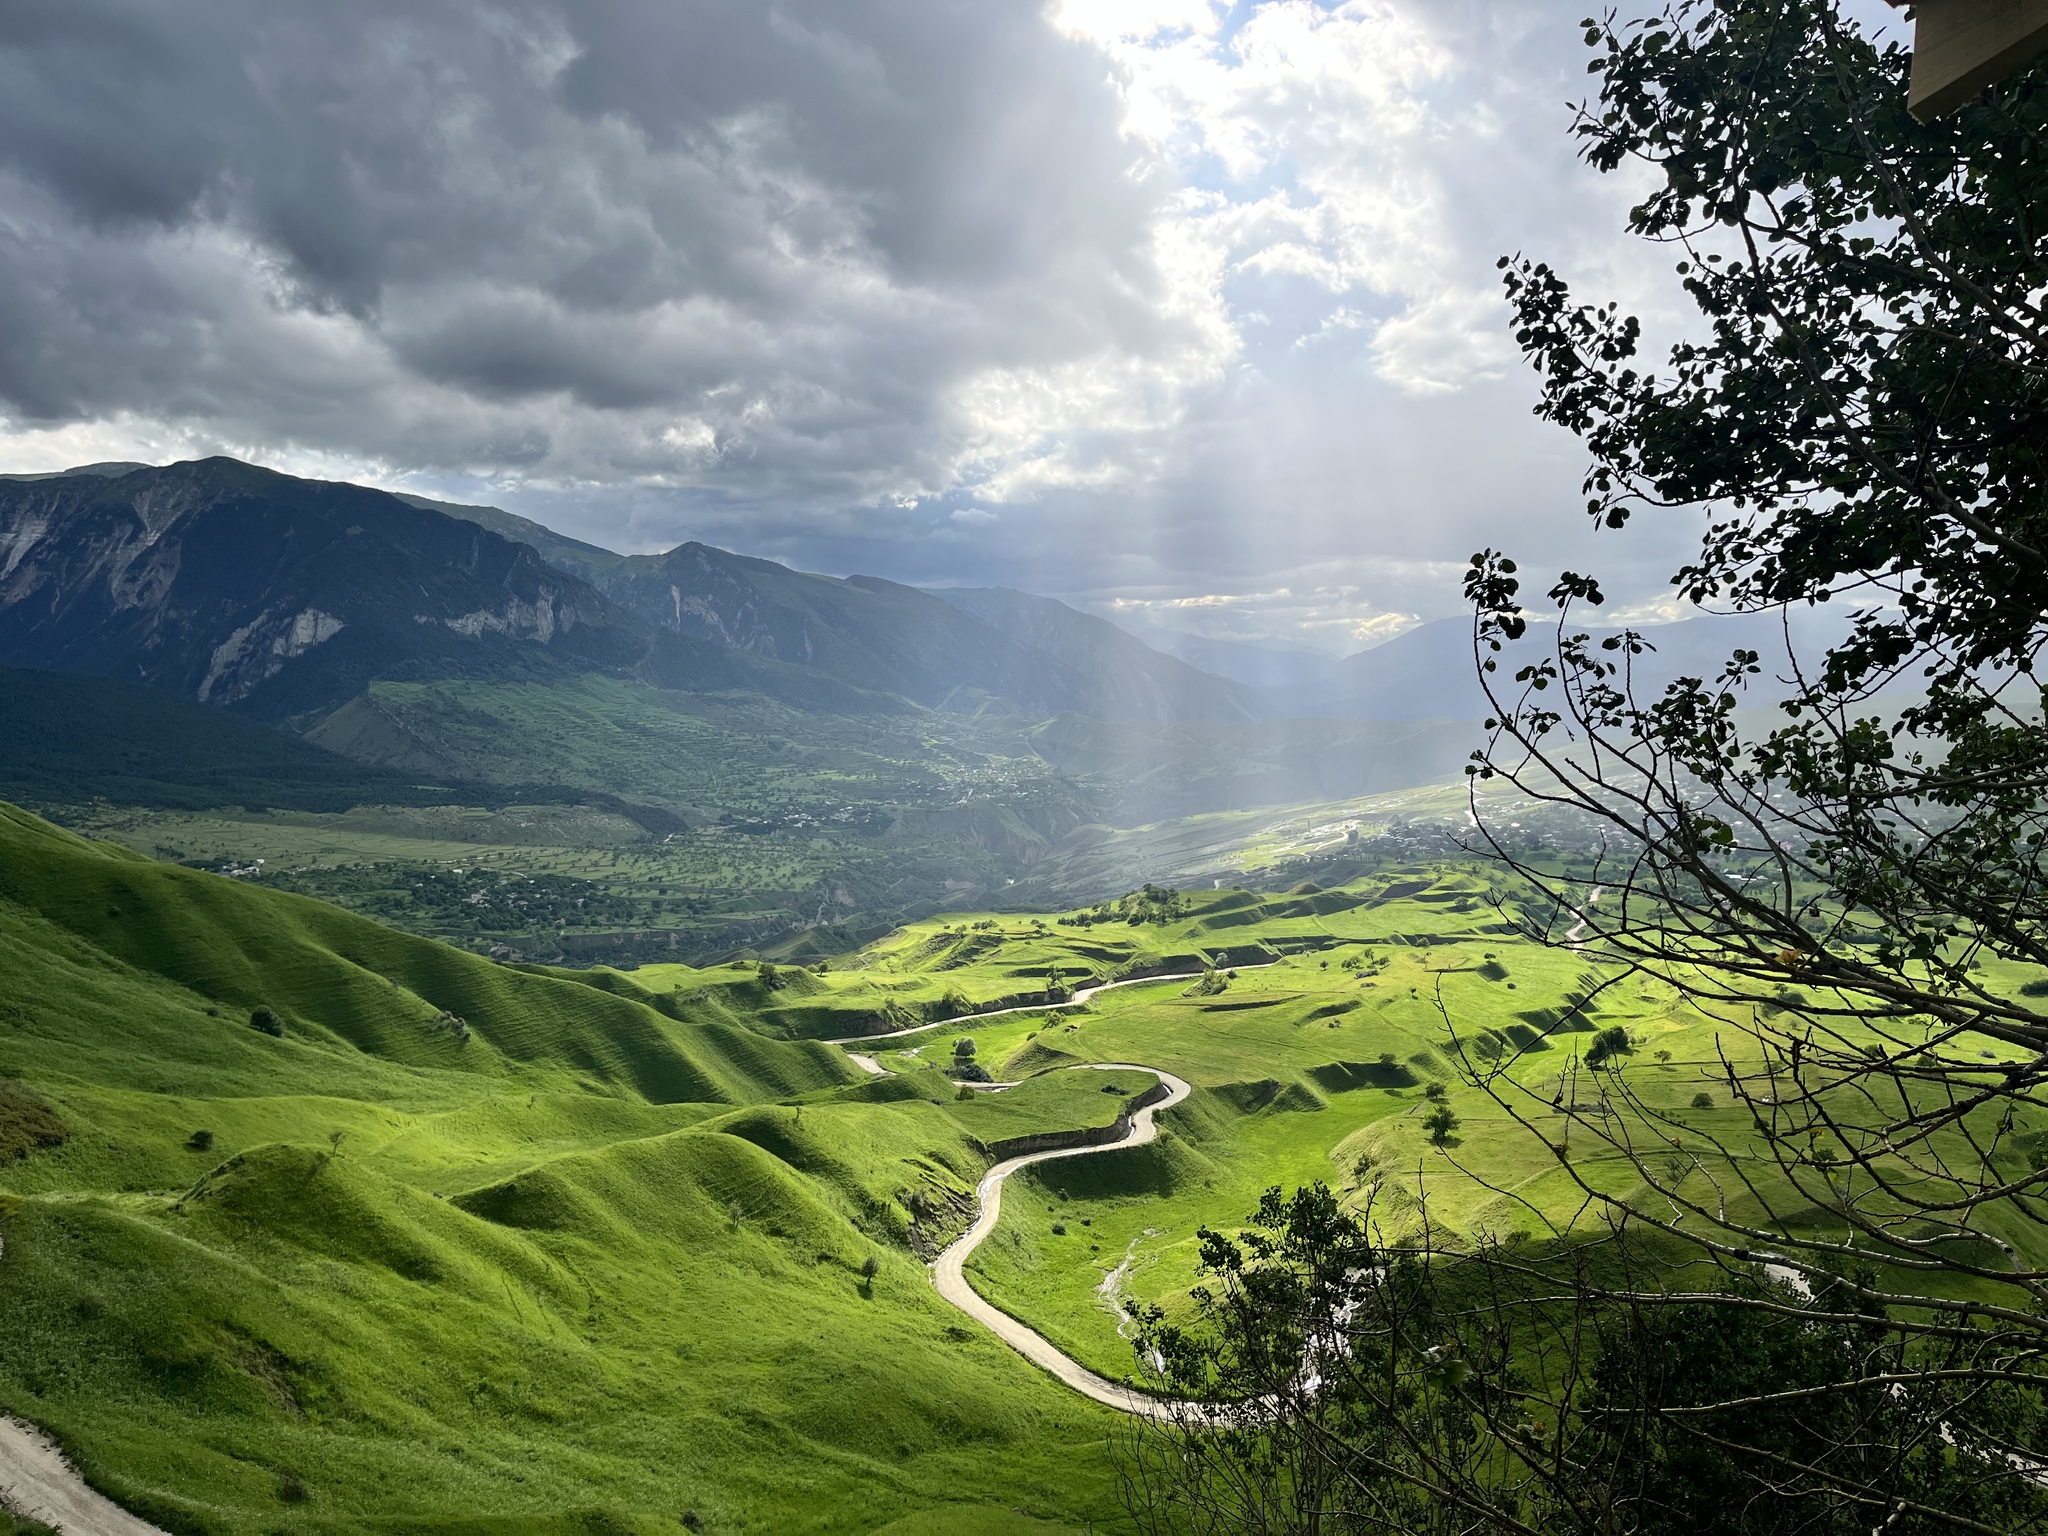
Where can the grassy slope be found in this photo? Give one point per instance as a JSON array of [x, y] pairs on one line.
[[606, 1257], [559, 1270], [1050, 1102], [1292, 1085]]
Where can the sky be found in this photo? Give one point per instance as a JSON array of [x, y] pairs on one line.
[[1183, 311]]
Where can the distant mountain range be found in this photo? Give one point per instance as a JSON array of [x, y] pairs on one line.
[[281, 598], [284, 598], [1431, 673], [1254, 663], [788, 750]]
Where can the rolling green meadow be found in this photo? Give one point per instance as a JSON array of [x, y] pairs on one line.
[[313, 1224]]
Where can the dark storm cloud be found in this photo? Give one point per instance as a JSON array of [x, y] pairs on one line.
[[783, 232], [1179, 306]]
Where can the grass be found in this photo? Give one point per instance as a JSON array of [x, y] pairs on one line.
[[578, 1267], [1053, 1101], [477, 1247]]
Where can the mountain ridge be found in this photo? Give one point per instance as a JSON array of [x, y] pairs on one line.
[[886, 639], [243, 587], [284, 598], [1148, 684]]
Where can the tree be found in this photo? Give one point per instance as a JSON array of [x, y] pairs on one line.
[[1831, 1315], [1324, 1381], [1440, 1123], [1861, 415]]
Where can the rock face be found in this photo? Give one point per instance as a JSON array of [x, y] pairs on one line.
[[273, 595]]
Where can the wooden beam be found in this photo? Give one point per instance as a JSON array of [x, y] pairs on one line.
[[1962, 46]]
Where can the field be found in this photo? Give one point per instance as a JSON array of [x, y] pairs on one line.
[[315, 1225]]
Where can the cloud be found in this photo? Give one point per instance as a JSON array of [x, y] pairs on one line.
[[1199, 297], [828, 251]]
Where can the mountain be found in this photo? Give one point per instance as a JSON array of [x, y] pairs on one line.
[[581, 560], [1133, 681], [72, 738], [238, 586], [284, 598], [886, 637], [1030, 655], [1254, 663], [1425, 674], [106, 468]]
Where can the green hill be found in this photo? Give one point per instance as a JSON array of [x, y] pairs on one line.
[[311, 1225], [460, 1242]]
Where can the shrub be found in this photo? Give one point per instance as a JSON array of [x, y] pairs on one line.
[[1608, 1043], [266, 1021], [1703, 1101], [200, 1141], [29, 1123], [1059, 1229], [972, 1071]]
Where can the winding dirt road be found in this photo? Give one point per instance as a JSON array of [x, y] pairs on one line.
[[36, 1481], [948, 1270], [1075, 1001]]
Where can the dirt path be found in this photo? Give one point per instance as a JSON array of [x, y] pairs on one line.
[[948, 1270], [1075, 1001], [37, 1482]]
